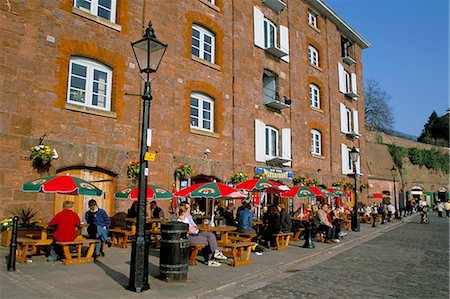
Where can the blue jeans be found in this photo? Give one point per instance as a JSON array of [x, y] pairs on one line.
[[102, 235]]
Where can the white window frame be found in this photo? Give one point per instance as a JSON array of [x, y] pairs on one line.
[[203, 32], [312, 19], [94, 8], [314, 96], [91, 66], [313, 55], [269, 81], [202, 99], [271, 142], [316, 142], [347, 164], [270, 41], [348, 82]]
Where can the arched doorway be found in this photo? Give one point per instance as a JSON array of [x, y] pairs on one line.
[[100, 179]]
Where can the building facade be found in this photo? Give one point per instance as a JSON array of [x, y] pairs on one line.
[[245, 86]]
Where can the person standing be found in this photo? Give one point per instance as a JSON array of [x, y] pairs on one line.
[[440, 208], [285, 219], [66, 223], [391, 211], [447, 209], [98, 228]]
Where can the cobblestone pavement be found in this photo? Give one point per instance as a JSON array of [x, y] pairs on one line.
[[410, 261]]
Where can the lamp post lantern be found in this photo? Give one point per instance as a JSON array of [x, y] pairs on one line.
[[148, 52], [354, 156], [394, 174]]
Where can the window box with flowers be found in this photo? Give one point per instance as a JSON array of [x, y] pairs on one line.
[[183, 171], [42, 155], [133, 170]]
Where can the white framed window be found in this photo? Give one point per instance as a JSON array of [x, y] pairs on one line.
[[270, 34], [202, 112], [313, 56], [316, 142], [269, 86], [312, 19], [105, 9], [347, 82], [203, 43], [349, 120], [89, 84], [314, 96], [347, 164], [271, 142]]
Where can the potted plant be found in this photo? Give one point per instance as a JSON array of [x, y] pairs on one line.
[[313, 182], [183, 171], [299, 180], [239, 177], [133, 170], [26, 225]]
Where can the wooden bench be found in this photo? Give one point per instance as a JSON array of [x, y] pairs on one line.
[[194, 249], [120, 236], [282, 240], [69, 260], [240, 237], [241, 252], [27, 243], [297, 234]]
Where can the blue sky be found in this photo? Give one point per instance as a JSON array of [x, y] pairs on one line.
[[409, 54]]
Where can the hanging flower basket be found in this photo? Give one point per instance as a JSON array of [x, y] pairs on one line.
[[42, 155], [133, 170], [183, 171]]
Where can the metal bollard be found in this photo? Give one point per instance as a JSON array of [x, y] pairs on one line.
[[308, 236], [13, 246]]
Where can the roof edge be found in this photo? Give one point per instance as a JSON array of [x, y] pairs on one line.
[[322, 7]]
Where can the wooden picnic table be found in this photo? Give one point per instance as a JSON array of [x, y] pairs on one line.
[[153, 221], [223, 230], [44, 229]]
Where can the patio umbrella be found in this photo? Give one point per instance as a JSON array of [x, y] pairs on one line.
[[263, 186], [298, 192], [153, 192], [337, 192], [210, 190], [64, 184]]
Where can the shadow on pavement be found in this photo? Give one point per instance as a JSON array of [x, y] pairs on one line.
[[118, 277]]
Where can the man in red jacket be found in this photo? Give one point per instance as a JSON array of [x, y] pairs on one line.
[[66, 223]]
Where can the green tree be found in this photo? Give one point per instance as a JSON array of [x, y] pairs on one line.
[[436, 130], [376, 107]]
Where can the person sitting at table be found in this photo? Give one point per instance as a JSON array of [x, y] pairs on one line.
[[244, 218], [228, 215], [321, 222], [66, 223], [272, 221], [133, 210], [196, 237], [155, 211], [285, 219], [98, 228]]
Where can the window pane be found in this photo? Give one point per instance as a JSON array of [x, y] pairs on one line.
[[78, 83], [206, 125], [83, 4], [194, 102], [207, 48], [195, 52], [194, 121], [104, 13], [195, 42], [105, 3], [77, 95], [79, 70], [195, 33], [100, 76], [267, 142], [207, 39], [207, 57], [206, 115]]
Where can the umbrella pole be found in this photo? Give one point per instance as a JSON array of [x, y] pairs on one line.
[[212, 213]]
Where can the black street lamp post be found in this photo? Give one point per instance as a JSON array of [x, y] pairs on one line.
[[354, 156], [148, 52], [394, 174]]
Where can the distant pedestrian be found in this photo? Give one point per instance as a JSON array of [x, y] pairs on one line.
[[447, 208], [374, 215], [440, 208], [391, 211]]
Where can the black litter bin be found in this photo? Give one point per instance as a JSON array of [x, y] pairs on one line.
[[174, 252]]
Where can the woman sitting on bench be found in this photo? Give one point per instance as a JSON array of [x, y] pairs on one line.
[[196, 237]]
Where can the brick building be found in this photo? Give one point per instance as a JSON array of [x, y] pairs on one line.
[[245, 86]]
